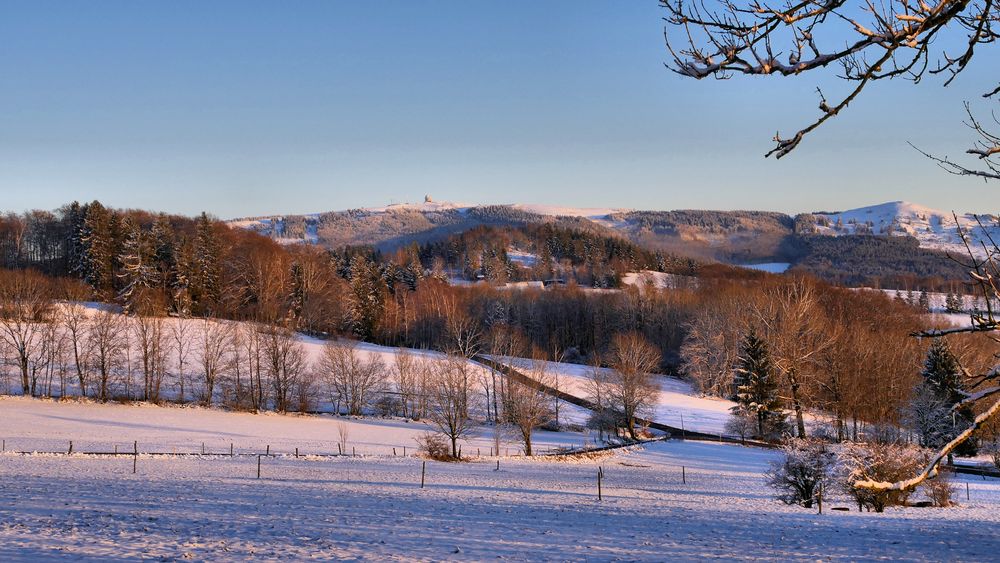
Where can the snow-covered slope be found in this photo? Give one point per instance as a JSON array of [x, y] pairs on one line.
[[931, 227]]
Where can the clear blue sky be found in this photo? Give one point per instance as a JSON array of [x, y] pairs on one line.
[[244, 108]]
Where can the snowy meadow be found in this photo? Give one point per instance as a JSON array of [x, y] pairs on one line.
[[670, 500]]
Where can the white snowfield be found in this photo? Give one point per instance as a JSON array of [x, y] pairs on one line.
[[677, 403], [931, 227], [373, 508], [41, 425]]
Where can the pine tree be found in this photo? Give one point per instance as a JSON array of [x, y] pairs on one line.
[[756, 386], [180, 278], [924, 303], [138, 272], [942, 378], [206, 288], [97, 260], [73, 217], [367, 298], [162, 239]]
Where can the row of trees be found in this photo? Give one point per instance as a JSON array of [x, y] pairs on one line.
[[795, 345]]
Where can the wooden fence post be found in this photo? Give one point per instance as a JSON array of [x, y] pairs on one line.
[[423, 474], [70, 447], [258, 466], [600, 477], [967, 494], [684, 479], [820, 498], [230, 449], [268, 452]]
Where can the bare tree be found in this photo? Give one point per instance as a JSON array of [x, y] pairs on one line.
[[883, 41], [107, 341], [349, 378], [180, 332], [25, 307], [286, 362], [448, 396], [75, 322], [796, 331], [215, 338], [527, 406], [406, 371], [151, 336], [630, 387]]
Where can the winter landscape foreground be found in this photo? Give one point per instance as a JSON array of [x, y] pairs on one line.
[[372, 506]]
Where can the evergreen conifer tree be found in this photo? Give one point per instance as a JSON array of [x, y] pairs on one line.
[[756, 386], [942, 378]]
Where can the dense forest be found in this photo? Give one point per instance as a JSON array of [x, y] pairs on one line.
[[878, 261]]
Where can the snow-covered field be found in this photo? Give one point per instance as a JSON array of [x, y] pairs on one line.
[[373, 508], [31, 425]]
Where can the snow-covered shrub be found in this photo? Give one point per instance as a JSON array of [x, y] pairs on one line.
[[434, 446], [797, 477], [940, 489], [878, 461]]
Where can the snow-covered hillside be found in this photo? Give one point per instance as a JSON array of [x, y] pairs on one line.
[[931, 227]]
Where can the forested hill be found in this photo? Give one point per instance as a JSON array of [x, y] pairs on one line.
[[546, 252]]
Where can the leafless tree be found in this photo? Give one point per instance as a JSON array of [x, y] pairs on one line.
[[406, 372], [883, 41], [55, 361], [151, 336], [630, 386], [107, 340], [181, 333], [25, 307], [286, 362], [448, 396], [527, 406], [214, 339], [794, 327], [75, 323], [349, 377], [711, 346]]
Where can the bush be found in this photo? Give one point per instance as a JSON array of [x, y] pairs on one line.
[[798, 476], [878, 461], [434, 446], [741, 425], [939, 489]]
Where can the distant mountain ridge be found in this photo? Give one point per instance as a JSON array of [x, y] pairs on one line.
[[728, 236]]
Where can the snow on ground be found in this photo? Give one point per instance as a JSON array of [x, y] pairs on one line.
[[658, 280], [522, 258], [769, 267], [369, 508], [931, 227], [593, 213], [48, 426], [678, 404]]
